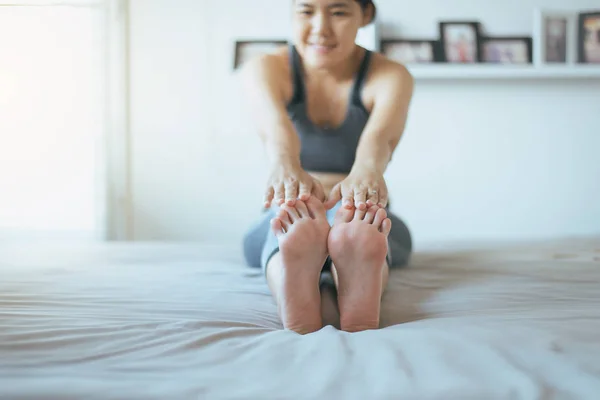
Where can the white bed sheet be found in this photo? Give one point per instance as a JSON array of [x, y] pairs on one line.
[[190, 321]]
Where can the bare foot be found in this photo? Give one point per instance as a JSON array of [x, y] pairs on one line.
[[302, 232], [358, 247]]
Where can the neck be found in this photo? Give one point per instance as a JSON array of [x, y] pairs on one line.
[[341, 71]]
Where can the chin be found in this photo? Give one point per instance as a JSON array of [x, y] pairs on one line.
[[320, 57]]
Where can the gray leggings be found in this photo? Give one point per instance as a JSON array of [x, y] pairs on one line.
[[260, 244]]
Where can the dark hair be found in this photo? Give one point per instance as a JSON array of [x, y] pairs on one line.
[[365, 3]]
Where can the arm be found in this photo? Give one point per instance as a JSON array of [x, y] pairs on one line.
[[262, 86], [263, 80], [393, 87]]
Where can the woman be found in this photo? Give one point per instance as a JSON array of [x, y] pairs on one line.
[[330, 114]]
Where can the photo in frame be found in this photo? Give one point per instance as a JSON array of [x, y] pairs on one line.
[[507, 50], [411, 51], [460, 41], [555, 37], [248, 49], [589, 37]]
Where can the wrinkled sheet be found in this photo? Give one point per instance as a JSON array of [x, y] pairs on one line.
[[190, 321]]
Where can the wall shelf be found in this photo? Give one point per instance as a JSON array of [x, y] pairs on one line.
[[492, 72]]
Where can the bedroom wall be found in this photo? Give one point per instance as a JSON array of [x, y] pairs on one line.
[[479, 159]]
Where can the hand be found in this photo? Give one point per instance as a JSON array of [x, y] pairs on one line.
[[287, 184], [361, 189]]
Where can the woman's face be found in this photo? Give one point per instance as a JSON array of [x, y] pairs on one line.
[[325, 30]]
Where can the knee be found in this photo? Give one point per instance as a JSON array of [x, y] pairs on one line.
[[401, 245], [400, 257]]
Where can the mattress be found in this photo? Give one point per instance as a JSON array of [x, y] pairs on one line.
[[190, 321]]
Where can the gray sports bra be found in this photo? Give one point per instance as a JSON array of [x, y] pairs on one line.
[[328, 149]]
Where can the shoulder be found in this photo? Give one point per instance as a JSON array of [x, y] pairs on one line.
[[387, 77], [268, 71]]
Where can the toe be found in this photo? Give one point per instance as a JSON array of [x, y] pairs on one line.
[[292, 212], [277, 227], [370, 216], [315, 207], [302, 209], [386, 226], [379, 217], [359, 214], [284, 218], [343, 215]]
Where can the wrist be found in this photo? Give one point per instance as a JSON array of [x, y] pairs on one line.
[[285, 161], [369, 166]]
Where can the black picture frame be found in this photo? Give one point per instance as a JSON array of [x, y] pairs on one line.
[[527, 40], [263, 44], [581, 51], [477, 29], [384, 45]]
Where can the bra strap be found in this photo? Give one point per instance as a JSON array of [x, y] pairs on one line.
[[360, 79], [296, 67]]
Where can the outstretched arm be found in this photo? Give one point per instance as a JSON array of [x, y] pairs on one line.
[[364, 186], [262, 80]]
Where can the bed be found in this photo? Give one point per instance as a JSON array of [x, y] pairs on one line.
[[190, 321]]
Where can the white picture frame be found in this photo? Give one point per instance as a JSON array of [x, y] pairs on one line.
[[566, 37]]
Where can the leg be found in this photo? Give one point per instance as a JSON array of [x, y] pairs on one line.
[[255, 238], [400, 243], [358, 247], [293, 272]]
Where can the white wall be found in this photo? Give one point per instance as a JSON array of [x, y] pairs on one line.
[[479, 159], [51, 122]]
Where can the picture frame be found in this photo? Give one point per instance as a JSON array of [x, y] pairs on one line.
[[248, 49], [411, 51], [460, 41], [507, 50], [589, 37], [555, 37]]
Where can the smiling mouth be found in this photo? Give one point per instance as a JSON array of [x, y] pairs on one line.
[[321, 48]]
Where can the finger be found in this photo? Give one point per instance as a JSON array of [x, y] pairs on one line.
[[372, 197], [283, 216], [370, 216], [334, 196], [383, 199], [348, 198], [291, 192], [277, 227], [360, 198], [269, 197], [302, 209], [279, 194], [305, 190], [380, 215], [292, 212]]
